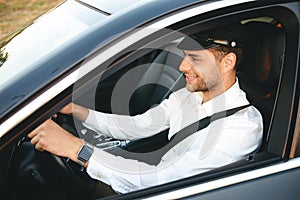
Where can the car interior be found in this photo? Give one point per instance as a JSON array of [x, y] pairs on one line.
[[258, 75], [156, 78]]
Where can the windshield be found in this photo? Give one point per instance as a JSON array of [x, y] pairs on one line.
[[21, 56], [42, 37]]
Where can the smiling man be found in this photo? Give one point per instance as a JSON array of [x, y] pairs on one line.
[[209, 66]]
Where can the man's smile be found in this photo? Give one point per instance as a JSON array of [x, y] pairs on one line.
[[190, 78]]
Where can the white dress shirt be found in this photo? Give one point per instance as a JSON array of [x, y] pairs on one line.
[[224, 141]]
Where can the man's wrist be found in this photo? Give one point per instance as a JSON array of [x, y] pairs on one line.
[[80, 112], [84, 154]]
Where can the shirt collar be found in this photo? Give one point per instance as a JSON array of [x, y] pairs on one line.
[[222, 102]]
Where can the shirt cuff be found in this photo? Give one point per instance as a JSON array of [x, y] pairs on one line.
[[97, 168]]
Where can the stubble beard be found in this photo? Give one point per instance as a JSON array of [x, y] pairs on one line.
[[199, 87], [202, 86]]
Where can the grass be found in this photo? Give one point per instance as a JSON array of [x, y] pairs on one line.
[[15, 14]]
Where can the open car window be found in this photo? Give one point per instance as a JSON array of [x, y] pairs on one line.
[[144, 75]]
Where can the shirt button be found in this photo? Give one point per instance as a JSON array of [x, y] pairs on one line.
[[99, 176]]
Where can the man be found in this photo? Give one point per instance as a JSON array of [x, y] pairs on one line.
[[211, 86]]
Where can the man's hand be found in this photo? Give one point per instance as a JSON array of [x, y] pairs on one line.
[[50, 137], [68, 109]]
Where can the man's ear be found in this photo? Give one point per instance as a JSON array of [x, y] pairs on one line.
[[229, 62]]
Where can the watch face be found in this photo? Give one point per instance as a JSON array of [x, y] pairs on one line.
[[85, 153]]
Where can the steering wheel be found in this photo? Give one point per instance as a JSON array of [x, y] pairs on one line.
[[74, 174]]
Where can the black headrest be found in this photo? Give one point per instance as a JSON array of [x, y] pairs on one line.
[[264, 51]]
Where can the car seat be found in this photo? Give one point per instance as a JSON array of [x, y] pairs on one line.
[[259, 74], [160, 79]]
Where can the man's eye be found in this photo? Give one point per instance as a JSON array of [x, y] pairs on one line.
[[195, 59]]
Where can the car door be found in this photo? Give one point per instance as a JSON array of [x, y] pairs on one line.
[[278, 132]]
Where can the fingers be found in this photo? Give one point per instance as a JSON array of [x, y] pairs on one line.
[[39, 133], [36, 141], [39, 147], [34, 132], [52, 138], [40, 128]]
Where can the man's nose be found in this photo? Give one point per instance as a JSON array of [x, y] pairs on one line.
[[185, 66]]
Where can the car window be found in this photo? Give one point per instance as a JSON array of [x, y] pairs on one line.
[[145, 74], [144, 77]]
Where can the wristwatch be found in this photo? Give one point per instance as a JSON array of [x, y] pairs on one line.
[[84, 153]]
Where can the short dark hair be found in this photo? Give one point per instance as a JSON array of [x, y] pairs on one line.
[[221, 51]]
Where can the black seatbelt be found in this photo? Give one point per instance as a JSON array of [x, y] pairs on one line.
[[155, 157], [201, 124]]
